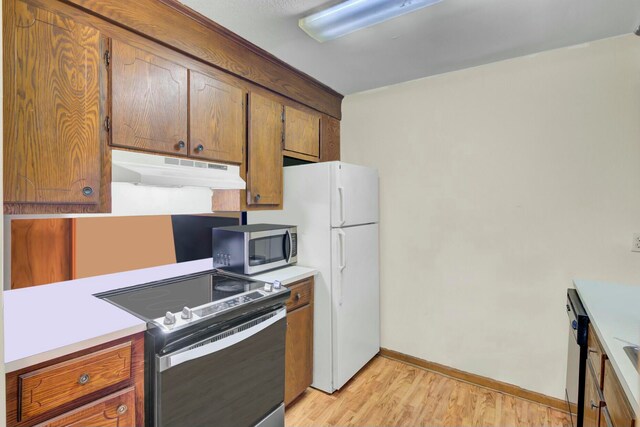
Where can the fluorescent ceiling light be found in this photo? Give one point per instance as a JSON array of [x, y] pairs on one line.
[[353, 15]]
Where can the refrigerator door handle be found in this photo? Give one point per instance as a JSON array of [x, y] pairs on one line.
[[343, 252], [342, 207], [343, 262]]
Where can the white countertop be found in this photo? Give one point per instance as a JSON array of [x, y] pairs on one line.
[[614, 313], [286, 275], [45, 322]]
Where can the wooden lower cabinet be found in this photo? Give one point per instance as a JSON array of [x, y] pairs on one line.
[[605, 403], [592, 400], [618, 407], [116, 410], [99, 386], [299, 341]]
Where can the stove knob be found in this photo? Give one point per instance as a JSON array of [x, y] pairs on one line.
[[169, 318], [268, 287], [186, 313], [277, 285]]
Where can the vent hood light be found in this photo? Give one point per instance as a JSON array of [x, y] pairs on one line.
[[353, 15]]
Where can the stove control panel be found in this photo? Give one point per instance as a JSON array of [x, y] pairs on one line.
[[172, 321]]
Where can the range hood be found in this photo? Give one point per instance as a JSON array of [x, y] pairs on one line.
[[149, 184], [151, 169]]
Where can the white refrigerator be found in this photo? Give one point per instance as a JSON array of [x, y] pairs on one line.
[[335, 207]]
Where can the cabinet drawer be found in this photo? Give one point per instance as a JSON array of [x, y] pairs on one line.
[[48, 388], [300, 294], [116, 410], [615, 399], [597, 355]]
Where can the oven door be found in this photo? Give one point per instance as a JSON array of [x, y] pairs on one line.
[[233, 378], [266, 250]]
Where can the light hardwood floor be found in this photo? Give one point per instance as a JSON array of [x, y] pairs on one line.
[[391, 393]]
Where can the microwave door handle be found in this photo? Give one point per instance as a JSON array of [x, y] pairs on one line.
[[288, 254], [176, 358]]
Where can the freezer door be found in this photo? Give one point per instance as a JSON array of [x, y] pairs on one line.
[[354, 195], [355, 300]]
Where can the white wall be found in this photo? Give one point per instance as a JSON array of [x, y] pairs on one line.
[[499, 185]]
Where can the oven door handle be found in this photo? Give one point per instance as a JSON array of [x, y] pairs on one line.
[[181, 356]]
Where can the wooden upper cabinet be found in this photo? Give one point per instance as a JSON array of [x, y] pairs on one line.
[[216, 119], [302, 132], [329, 139], [264, 152], [149, 108], [54, 98]]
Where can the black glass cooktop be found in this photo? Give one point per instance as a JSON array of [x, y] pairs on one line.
[[153, 301]]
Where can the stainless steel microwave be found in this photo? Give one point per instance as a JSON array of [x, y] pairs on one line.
[[251, 249]]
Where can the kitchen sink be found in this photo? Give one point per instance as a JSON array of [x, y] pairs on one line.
[[632, 352]]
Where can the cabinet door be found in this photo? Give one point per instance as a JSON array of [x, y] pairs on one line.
[[329, 139], [619, 408], [302, 132], [299, 353], [216, 119], [592, 400], [264, 152], [149, 108], [115, 410], [53, 134]]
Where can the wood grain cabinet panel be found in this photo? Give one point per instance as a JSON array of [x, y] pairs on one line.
[[299, 352], [40, 251], [299, 341], [617, 404], [329, 139], [264, 152], [301, 132], [596, 355], [301, 294], [216, 119], [592, 401], [149, 108], [50, 387], [115, 410], [54, 100]]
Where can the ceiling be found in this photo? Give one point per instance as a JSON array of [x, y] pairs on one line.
[[450, 35]]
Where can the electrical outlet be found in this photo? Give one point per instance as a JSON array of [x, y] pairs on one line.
[[635, 245]]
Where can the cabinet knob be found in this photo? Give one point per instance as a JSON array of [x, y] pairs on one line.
[[87, 191], [84, 378], [181, 145], [122, 409], [200, 148], [257, 198], [298, 296], [594, 406]]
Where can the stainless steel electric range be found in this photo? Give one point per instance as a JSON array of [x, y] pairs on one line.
[[214, 349]]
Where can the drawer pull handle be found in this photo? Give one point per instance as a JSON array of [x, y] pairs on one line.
[[84, 378], [122, 409], [592, 350], [298, 296], [594, 406]]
